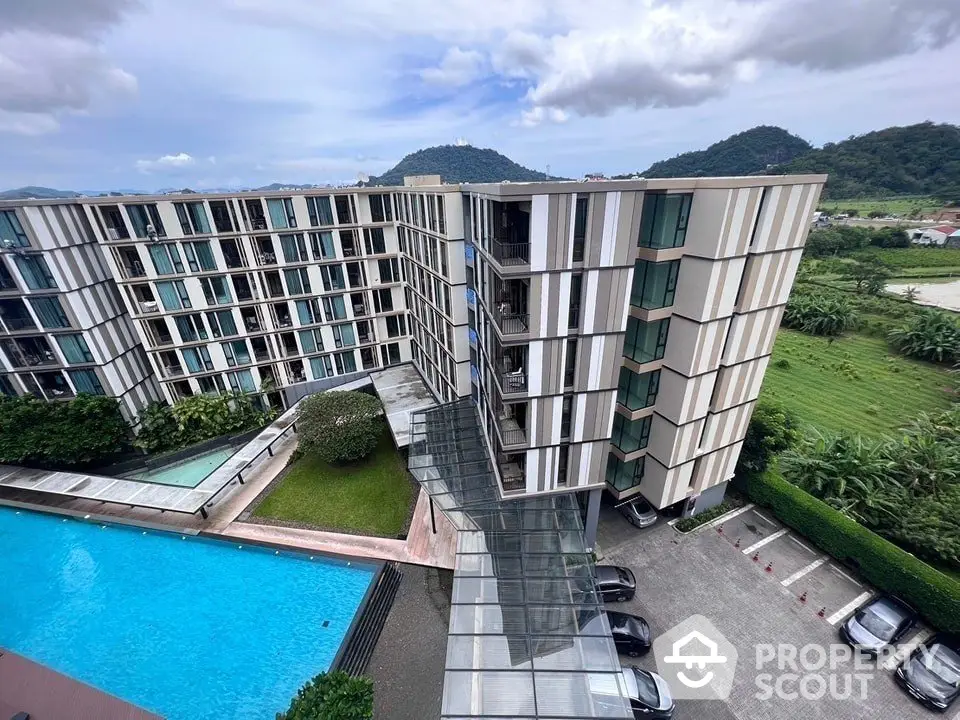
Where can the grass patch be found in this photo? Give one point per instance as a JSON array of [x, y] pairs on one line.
[[370, 497], [902, 206], [854, 383], [915, 257]]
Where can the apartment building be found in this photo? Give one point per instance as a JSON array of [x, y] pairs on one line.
[[620, 330], [63, 327], [612, 334]]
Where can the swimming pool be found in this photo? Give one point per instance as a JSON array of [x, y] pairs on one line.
[[188, 628], [186, 473]]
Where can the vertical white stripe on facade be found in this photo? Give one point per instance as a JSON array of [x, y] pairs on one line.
[[549, 456], [535, 369], [564, 280], [608, 239], [544, 326], [535, 409], [556, 420], [581, 418], [808, 214], [769, 213], [739, 214], [533, 470], [793, 204], [539, 220], [589, 304], [598, 345], [625, 313], [586, 456]]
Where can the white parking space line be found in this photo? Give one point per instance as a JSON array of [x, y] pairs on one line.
[[763, 517], [849, 608], [728, 516], [803, 545], [907, 647], [803, 571], [769, 539]]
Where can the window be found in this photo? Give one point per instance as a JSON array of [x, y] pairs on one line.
[[389, 270], [197, 359], [193, 218], [630, 435], [191, 327], [222, 219], [75, 349], [390, 354], [382, 300], [380, 210], [576, 292], [35, 272], [321, 243], [373, 241], [173, 295], [441, 217], [199, 256], [11, 229], [298, 281], [345, 213], [580, 228], [50, 312], [216, 291], [343, 335], [396, 325], [321, 367], [663, 223], [346, 362], [165, 258], [334, 308], [236, 352], [654, 284], [570, 363], [307, 312], [86, 381], [624, 475], [144, 218], [566, 410], [293, 247], [233, 253], [222, 323], [6, 279], [241, 381], [281, 213], [211, 385], [637, 391], [645, 341], [311, 340], [319, 210], [332, 277]]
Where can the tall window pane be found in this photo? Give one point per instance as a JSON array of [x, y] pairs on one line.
[[654, 284], [663, 223], [50, 312], [35, 272], [74, 349], [86, 381], [645, 341], [637, 391]]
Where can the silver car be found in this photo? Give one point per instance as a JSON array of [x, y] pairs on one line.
[[880, 622], [639, 512]]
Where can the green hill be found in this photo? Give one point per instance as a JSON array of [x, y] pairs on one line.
[[919, 159], [33, 191], [458, 163], [745, 153]]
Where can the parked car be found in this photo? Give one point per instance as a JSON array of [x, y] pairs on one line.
[[639, 512], [932, 672], [878, 623], [615, 583], [649, 694], [631, 633]]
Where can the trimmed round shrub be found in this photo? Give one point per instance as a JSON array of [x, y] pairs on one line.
[[339, 427]]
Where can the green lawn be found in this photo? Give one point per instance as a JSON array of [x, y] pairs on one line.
[[902, 206], [371, 497], [854, 383]]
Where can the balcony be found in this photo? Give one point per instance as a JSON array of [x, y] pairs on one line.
[[172, 370], [295, 371], [512, 421], [514, 381], [53, 385], [509, 242], [29, 352], [511, 253], [14, 315], [512, 473], [511, 323], [510, 310]]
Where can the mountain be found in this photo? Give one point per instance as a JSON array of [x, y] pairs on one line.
[[32, 191], [283, 186], [459, 163], [745, 153], [921, 159]]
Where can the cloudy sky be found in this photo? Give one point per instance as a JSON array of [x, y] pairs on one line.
[[148, 94]]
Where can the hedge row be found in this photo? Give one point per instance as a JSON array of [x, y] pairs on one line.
[[935, 595]]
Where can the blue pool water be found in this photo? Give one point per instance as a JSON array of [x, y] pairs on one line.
[[187, 473], [188, 629]]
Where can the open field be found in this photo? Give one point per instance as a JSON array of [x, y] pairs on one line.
[[854, 383], [371, 497], [902, 206], [915, 257]]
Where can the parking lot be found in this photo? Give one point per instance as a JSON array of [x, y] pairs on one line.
[[760, 585]]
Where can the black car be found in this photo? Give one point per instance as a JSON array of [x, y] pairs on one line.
[[631, 634], [649, 694], [932, 672], [878, 623], [615, 583]]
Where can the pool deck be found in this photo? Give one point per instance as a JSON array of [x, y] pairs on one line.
[[26, 686]]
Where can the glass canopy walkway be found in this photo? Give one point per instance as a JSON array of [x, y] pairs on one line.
[[528, 637]]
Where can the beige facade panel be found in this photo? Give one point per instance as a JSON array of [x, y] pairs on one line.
[[752, 335], [694, 348], [786, 216], [671, 444], [722, 222], [682, 400], [706, 289], [767, 279], [738, 384], [725, 428]]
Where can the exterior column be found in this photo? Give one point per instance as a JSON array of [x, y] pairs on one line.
[[593, 517]]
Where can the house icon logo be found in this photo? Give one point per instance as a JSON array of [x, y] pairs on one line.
[[696, 660]]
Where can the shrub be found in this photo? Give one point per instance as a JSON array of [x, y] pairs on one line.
[[929, 335], [339, 426], [819, 315], [772, 430], [332, 696], [935, 595], [83, 432], [197, 418], [690, 523], [782, 364]]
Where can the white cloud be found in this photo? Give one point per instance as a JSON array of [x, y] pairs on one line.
[[166, 162], [458, 67]]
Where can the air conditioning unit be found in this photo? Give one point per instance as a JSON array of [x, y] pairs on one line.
[[149, 306]]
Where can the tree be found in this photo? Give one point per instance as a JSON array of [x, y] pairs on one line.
[[911, 293], [819, 315], [772, 430], [929, 335], [332, 696], [198, 417], [339, 426], [868, 273]]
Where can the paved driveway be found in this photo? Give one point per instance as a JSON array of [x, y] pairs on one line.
[[754, 602]]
